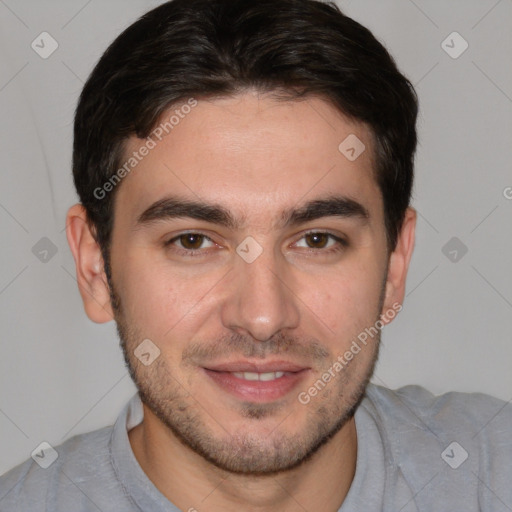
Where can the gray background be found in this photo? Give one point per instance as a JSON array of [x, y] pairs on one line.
[[61, 375]]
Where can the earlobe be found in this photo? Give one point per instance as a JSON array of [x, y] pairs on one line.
[[90, 274], [399, 264]]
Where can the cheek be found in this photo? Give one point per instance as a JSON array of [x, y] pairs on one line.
[[346, 301], [161, 302]]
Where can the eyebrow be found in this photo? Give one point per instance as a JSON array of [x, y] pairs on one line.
[[335, 206], [171, 207]]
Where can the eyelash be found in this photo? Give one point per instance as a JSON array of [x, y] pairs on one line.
[[341, 243]]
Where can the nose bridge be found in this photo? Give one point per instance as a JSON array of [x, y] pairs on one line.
[[260, 302]]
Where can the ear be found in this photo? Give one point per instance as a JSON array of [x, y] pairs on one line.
[[90, 274], [398, 266]]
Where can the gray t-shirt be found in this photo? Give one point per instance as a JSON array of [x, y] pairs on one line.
[[416, 452]]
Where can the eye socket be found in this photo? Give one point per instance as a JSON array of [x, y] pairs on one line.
[[190, 242], [322, 241], [193, 243]]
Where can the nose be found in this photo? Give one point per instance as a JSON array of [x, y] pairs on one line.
[[261, 301]]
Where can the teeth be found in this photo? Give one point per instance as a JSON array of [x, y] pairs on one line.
[[258, 376], [271, 375], [250, 376]]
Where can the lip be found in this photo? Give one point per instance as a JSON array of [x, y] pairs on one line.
[[256, 391], [258, 366]]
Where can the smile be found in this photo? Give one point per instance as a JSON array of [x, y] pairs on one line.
[[257, 382], [259, 376]]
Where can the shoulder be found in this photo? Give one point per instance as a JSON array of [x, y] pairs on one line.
[[82, 463], [441, 409], [454, 411], [457, 442]]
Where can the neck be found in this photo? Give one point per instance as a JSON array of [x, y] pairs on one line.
[[194, 484]]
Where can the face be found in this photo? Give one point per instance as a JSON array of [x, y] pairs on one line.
[[252, 253]]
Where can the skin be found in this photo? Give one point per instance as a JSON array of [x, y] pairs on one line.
[[300, 301]]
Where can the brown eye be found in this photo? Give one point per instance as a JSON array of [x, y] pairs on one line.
[[321, 241], [317, 240], [190, 244], [191, 240]]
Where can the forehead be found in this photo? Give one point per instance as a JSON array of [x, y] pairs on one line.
[[253, 154]]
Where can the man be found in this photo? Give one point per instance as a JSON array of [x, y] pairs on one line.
[[244, 170]]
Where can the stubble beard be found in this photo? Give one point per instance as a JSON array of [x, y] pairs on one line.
[[243, 453]]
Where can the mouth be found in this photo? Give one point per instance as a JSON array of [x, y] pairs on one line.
[[267, 376], [257, 382]]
